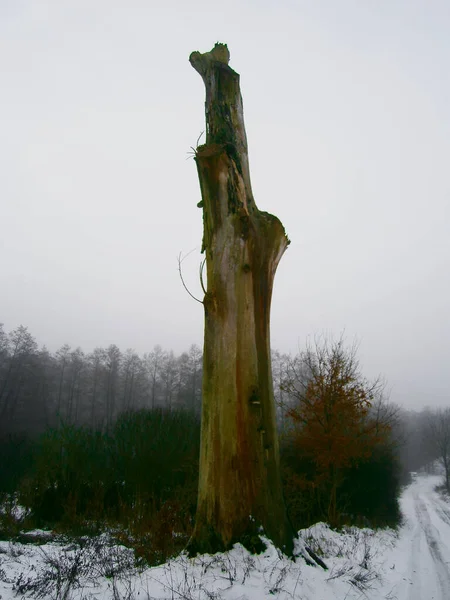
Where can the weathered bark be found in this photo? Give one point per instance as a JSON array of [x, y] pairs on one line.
[[240, 486]]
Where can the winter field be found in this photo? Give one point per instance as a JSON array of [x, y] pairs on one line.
[[412, 563]]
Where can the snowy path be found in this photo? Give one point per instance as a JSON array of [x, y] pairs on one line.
[[420, 563]]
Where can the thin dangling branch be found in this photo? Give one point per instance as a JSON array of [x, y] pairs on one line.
[[202, 266], [180, 260]]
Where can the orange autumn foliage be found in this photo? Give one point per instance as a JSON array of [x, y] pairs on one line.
[[334, 427]]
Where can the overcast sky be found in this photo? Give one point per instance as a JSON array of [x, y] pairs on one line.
[[347, 107]]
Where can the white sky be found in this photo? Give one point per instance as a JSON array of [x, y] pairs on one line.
[[347, 114]]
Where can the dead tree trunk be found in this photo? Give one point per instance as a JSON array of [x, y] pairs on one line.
[[240, 486]]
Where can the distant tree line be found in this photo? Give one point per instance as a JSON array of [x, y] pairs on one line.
[[39, 389]]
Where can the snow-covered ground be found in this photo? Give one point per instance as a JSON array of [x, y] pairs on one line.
[[411, 564], [420, 561]]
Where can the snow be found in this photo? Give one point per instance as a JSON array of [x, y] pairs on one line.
[[420, 563], [410, 564]]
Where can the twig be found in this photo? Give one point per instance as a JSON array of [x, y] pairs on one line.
[[180, 260], [202, 266]]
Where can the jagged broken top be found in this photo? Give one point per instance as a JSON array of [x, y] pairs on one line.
[[201, 62]]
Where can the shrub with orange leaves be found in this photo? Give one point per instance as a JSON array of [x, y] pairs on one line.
[[335, 427]]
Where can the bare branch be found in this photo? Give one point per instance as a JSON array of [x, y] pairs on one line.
[[180, 260], [202, 266]]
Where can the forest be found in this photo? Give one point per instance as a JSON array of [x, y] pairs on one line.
[[91, 441]]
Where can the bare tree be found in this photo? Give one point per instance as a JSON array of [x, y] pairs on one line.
[[195, 361], [113, 360], [130, 369], [154, 361], [169, 378], [76, 365], [42, 391], [280, 365], [62, 356], [96, 363], [240, 484]]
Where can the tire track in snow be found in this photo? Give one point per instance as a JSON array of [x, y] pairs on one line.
[[414, 567], [441, 510], [438, 550]]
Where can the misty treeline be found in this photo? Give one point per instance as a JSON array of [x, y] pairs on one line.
[[426, 434], [111, 438], [39, 389]]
